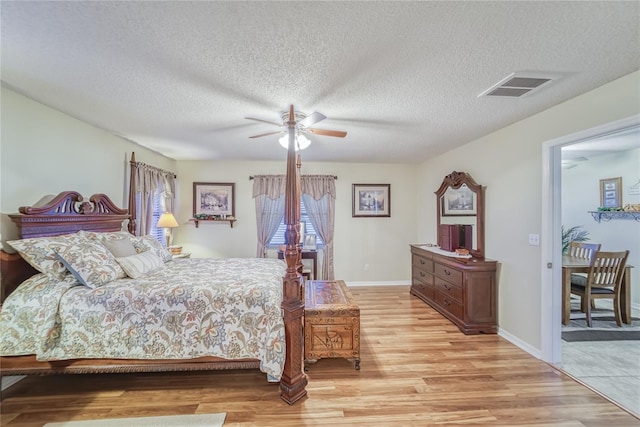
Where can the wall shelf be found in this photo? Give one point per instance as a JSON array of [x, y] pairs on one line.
[[198, 221], [609, 215]]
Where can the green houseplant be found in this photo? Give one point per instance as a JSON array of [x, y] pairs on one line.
[[573, 234]]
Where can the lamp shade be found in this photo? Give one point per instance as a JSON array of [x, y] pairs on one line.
[[167, 220]]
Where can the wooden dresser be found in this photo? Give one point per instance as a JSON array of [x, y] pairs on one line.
[[461, 289]]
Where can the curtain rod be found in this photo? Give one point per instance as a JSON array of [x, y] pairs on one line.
[[334, 176]]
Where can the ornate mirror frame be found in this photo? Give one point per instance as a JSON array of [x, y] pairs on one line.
[[455, 180]]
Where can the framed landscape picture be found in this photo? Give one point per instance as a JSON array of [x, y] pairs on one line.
[[214, 198], [371, 200], [459, 202]]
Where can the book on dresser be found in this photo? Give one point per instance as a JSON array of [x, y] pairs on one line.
[[460, 287]]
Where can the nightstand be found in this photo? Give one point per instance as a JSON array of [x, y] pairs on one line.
[[182, 255]]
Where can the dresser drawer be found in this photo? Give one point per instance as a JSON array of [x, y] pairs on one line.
[[449, 304], [422, 263], [422, 276], [447, 273], [450, 290], [425, 290]]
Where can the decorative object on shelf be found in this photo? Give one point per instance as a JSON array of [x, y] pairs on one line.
[[459, 202], [610, 195], [573, 234], [167, 221], [371, 200], [599, 215], [216, 200], [213, 218]]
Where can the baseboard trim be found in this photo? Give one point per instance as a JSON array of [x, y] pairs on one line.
[[389, 283], [537, 353]]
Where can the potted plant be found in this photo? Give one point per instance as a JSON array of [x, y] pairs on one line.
[[573, 234]]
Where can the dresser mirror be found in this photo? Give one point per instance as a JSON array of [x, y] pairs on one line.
[[460, 202]]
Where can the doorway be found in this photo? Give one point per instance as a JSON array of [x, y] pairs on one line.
[[551, 247]]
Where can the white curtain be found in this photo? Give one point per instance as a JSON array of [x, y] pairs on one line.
[[268, 192], [319, 198], [149, 182]]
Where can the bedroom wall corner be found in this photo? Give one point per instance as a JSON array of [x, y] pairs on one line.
[[45, 151]]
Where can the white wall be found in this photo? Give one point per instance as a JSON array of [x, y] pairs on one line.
[[45, 152], [382, 243], [509, 163], [581, 193]]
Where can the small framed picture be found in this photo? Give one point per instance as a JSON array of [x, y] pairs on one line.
[[309, 242], [216, 199], [459, 202], [610, 192], [371, 200]]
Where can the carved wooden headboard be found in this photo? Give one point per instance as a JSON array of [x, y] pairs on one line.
[[66, 213]]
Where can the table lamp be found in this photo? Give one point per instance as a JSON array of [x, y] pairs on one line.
[[167, 221]]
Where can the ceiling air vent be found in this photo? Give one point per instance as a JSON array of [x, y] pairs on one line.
[[515, 86]]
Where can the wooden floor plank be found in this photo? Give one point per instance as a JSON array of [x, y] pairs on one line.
[[417, 370]]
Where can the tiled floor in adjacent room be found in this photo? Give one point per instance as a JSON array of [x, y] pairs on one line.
[[610, 367]]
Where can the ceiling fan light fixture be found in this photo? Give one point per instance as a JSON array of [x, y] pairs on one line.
[[302, 142]]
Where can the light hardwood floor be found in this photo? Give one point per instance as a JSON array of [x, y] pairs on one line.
[[417, 370]]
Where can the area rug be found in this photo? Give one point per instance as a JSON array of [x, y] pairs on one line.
[[604, 327], [191, 420]]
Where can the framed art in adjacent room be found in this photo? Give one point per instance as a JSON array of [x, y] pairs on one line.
[[459, 202], [610, 192], [371, 200], [214, 198]]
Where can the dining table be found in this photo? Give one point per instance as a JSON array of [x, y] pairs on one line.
[[570, 265]]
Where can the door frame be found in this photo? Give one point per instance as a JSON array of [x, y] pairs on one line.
[[551, 230]]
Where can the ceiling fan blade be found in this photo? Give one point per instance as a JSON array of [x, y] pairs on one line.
[[264, 121], [265, 134], [312, 119], [326, 132]]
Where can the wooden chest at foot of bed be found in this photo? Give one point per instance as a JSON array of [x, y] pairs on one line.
[[331, 322]]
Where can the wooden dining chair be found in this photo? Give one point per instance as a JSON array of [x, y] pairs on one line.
[[604, 280], [583, 250]]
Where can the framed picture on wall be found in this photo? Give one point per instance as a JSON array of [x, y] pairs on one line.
[[214, 198], [610, 192], [371, 200], [459, 202]]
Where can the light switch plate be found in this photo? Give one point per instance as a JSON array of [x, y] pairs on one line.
[[534, 239]]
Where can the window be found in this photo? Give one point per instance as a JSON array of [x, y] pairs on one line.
[[278, 238], [158, 209]]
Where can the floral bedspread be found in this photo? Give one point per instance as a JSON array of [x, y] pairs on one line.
[[189, 308]]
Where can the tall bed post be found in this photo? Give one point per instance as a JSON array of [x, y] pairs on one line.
[[132, 195], [293, 381]]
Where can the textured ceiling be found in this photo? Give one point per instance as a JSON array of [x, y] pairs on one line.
[[402, 78]]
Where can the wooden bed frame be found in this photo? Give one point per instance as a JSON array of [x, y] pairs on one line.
[[68, 213]]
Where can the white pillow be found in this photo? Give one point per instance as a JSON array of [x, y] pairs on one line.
[[140, 264], [120, 247]]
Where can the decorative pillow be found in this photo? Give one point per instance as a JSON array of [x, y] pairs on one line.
[[150, 243], [140, 264], [107, 236], [90, 263], [40, 252], [120, 248]]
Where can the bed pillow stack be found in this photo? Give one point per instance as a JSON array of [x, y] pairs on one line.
[[89, 262], [94, 259]]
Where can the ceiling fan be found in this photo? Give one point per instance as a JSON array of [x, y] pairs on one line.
[[300, 123]]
